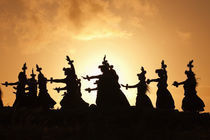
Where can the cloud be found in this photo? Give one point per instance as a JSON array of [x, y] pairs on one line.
[[34, 25], [183, 35]]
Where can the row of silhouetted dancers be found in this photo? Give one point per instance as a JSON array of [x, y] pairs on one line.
[[109, 94]]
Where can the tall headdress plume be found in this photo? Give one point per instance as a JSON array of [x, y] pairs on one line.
[[38, 69], [69, 60], [24, 68], [163, 65], [32, 74], [143, 72], [104, 60], [190, 65]]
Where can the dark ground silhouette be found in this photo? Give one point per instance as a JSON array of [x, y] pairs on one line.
[[93, 125]]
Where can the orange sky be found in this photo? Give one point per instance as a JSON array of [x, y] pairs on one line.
[[131, 33]]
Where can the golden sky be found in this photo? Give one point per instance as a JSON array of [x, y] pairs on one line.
[[132, 33]]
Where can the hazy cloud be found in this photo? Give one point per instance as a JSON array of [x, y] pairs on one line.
[[183, 35], [36, 24]]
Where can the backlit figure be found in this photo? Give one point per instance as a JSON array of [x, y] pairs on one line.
[[191, 101]]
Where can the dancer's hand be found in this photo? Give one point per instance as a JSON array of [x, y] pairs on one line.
[[126, 86], [122, 85], [86, 78], [57, 89], [88, 90], [51, 80], [176, 84], [5, 84]]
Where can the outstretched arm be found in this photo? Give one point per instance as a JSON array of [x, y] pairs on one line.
[[131, 86], [90, 89], [56, 80], [153, 80], [176, 84], [59, 89], [10, 84], [91, 77]]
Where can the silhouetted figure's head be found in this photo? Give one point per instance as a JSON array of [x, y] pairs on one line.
[[40, 76], [160, 72], [67, 71], [105, 67], [22, 77], [32, 74], [142, 76], [190, 74], [70, 72]]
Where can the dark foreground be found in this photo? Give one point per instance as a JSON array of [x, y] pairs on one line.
[[91, 124]]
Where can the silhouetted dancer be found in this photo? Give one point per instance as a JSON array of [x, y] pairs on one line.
[[191, 101], [32, 91], [20, 100], [109, 95], [142, 100], [164, 98], [1, 103], [72, 97], [44, 100]]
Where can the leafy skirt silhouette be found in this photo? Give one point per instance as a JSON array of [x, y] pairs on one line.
[[73, 101], [111, 98], [45, 100], [192, 103], [143, 102], [164, 99]]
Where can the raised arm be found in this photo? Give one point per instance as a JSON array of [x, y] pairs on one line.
[[72, 67], [71, 64], [59, 89]]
